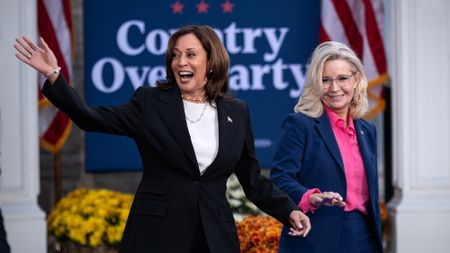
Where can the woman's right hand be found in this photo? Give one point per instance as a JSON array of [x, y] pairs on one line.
[[40, 58], [327, 199]]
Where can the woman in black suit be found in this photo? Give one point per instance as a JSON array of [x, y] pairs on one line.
[[191, 136]]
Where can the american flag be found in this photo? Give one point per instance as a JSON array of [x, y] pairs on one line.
[[359, 24], [55, 27]]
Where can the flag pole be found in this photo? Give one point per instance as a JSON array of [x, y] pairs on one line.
[[387, 126], [57, 176]]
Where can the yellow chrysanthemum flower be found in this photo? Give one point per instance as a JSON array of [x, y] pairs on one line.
[[90, 217]]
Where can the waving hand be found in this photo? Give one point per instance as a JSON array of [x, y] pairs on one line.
[[41, 58]]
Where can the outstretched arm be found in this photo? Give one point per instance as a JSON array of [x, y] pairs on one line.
[[122, 120], [288, 163], [41, 58]]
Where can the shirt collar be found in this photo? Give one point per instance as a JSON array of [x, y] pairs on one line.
[[334, 118]]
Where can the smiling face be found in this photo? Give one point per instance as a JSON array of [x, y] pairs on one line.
[[339, 94], [189, 63]]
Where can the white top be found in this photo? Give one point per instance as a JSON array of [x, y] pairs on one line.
[[203, 126]]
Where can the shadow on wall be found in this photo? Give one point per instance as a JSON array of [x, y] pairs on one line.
[[4, 247]]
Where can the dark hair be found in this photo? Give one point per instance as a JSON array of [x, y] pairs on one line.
[[217, 65]]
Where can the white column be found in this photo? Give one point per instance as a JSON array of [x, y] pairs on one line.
[[19, 182], [420, 70]]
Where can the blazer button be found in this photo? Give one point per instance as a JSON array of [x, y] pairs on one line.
[[195, 183]]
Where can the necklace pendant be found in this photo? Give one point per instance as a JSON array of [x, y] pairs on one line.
[[192, 121]]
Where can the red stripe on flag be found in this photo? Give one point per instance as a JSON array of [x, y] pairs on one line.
[[323, 35], [350, 27], [374, 38], [68, 17], [56, 128], [68, 14], [40, 96]]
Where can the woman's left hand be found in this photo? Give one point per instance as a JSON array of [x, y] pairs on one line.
[[300, 224]]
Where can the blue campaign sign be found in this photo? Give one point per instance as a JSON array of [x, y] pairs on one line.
[[269, 43]]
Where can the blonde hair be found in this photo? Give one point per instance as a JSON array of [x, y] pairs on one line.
[[310, 102]]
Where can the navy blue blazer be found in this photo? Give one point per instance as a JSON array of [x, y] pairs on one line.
[[172, 195], [308, 157]]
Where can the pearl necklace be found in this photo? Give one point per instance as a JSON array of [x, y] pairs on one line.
[[194, 100], [192, 121]]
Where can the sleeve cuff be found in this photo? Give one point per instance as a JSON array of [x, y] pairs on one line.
[[305, 203]]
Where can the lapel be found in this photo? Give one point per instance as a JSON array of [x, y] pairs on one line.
[[361, 134], [171, 111], [228, 122], [323, 125]]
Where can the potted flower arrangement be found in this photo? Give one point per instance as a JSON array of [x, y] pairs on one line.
[[259, 234], [89, 220]]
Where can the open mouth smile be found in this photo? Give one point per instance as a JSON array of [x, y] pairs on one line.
[[186, 76]]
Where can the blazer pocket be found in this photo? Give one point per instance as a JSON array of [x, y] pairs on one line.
[[150, 207], [153, 187], [226, 215]]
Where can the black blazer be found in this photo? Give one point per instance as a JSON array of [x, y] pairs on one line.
[[172, 195]]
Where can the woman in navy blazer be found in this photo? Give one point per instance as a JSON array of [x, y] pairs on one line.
[[191, 136], [327, 158]]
